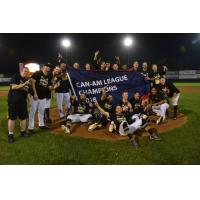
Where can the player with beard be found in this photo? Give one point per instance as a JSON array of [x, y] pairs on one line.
[[158, 104], [106, 102], [80, 112], [170, 90]]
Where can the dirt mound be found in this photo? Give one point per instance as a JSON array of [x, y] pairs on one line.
[[81, 129]]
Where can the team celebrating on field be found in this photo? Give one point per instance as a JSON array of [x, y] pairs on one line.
[[130, 115]]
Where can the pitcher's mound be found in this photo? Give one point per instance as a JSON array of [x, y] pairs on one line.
[[81, 130]]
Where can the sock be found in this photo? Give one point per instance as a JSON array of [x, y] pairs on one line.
[[10, 133], [175, 110]]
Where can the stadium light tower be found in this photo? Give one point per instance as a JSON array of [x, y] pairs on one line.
[[66, 44], [128, 42]]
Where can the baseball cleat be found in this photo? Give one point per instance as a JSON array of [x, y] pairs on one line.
[[10, 138], [65, 129], [134, 143], [174, 117], [159, 121], [154, 135], [24, 134], [111, 127], [43, 127], [31, 132], [125, 127], [92, 127]]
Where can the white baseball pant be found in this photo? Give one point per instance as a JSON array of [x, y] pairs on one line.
[[79, 117], [39, 104], [132, 127], [161, 109], [60, 98], [48, 103], [175, 103]]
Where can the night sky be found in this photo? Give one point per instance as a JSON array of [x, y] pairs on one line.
[[177, 51]]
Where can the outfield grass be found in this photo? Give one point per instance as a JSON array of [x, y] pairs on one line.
[[179, 146], [188, 84]]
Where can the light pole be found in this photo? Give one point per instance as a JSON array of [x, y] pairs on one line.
[[66, 44], [128, 42]]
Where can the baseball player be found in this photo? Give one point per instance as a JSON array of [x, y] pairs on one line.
[[170, 90], [106, 102], [40, 85], [63, 91], [80, 112], [125, 104], [156, 74], [48, 97], [17, 103], [125, 126], [158, 104]]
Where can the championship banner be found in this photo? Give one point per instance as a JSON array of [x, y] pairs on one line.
[[91, 83]]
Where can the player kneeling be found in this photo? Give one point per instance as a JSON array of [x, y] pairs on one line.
[[124, 125], [80, 112], [158, 104]]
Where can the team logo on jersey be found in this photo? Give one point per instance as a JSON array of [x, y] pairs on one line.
[[43, 82]]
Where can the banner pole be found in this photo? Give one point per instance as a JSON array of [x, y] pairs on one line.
[[71, 85]]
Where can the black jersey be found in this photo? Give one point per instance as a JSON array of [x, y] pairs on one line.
[[107, 106], [18, 95], [64, 84], [156, 98], [42, 83], [79, 107], [119, 118], [136, 105], [124, 106], [145, 73], [48, 92], [169, 89], [156, 76]]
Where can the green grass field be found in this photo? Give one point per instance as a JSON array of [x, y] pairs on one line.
[[179, 146]]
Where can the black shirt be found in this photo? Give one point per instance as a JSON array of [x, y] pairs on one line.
[[64, 84], [156, 76], [145, 73], [79, 107], [169, 88], [136, 105], [48, 92], [124, 106], [156, 98], [119, 118], [18, 95], [107, 106], [42, 83]]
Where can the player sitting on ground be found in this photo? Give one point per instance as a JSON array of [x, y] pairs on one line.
[[125, 104], [124, 125], [80, 112], [170, 90], [99, 119], [158, 104]]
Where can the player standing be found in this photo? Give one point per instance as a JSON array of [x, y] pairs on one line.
[[63, 91], [40, 85], [17, 103]]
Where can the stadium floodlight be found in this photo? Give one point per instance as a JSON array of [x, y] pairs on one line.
[[128, 41], [33, 67], [66, 43]]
